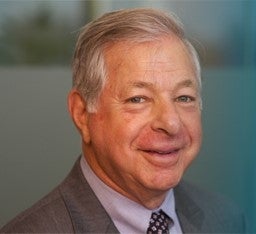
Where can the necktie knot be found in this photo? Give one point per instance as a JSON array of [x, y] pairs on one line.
[[159, 223]]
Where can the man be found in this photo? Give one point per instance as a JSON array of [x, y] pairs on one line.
[[136, 103]]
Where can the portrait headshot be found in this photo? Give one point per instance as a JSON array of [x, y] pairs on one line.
[[128, 117]]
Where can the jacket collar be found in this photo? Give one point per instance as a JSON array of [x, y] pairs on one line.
[[190, 215], [83, 206]]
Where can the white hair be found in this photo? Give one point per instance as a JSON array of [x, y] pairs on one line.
[[133, 25]]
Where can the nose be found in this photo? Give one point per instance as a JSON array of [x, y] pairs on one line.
[[166, 118]]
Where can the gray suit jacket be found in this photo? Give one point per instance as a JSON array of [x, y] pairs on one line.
[[73, 208]]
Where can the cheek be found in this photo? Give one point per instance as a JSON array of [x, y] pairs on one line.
[[113, 130], [194, 129], [197, 126], [128, 124], [147, 138]]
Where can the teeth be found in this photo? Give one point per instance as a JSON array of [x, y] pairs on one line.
[[164, 152], [160, 152]]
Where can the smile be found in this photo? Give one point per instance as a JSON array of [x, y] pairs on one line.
[[160, 152], [162, 158]]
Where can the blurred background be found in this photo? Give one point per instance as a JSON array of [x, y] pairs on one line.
[[38, 143]]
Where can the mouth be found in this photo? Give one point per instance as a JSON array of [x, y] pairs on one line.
[[164, 158], [162, 152]]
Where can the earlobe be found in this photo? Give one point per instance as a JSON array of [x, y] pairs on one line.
[[78, 112]]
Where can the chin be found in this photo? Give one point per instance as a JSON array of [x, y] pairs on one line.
[[164, 183]]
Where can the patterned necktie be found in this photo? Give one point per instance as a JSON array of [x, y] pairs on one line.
[[159, 223]]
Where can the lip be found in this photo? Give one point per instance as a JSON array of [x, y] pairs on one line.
[[161, 152], [162, 157]]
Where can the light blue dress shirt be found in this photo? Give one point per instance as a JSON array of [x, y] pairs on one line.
[[127, 215]]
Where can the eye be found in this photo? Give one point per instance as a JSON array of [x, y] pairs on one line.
[[136, 99], [185, 98]]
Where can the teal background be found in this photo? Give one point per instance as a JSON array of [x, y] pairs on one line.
[[38, 142], [226, 163]]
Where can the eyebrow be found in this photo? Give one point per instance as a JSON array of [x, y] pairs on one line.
[[185, 83], [143, 84], [188, 83]]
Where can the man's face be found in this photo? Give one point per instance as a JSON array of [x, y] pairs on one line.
[[147, 128]]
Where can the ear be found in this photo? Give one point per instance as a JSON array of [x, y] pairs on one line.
[[78, 111]]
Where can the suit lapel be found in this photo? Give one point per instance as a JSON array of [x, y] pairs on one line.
[[84, 207], [87, 213], [190, 215]]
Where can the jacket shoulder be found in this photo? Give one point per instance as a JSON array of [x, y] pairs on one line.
[[49, 215], [217, 213]]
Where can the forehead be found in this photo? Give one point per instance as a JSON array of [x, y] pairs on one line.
[[167, 57]]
